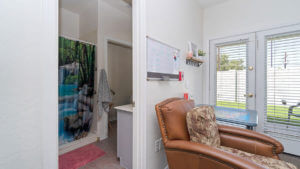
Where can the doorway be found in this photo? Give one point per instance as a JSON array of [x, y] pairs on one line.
[[260, 71], [80, 26], [119, 71], [232, 72]]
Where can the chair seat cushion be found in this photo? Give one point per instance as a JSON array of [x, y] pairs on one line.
[[202, 126], [263, 161]]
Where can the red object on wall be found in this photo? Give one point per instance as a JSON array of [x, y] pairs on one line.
[[186, 96], [180, 76]]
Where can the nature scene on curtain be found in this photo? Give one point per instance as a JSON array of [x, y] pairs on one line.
[[76, 88]]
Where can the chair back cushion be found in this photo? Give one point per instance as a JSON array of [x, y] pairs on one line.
[[173, 112], [202, 126]]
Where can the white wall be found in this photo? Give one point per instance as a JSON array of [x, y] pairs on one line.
[[89, 37], [174, 25], [88, 23], [29, 79], [115, 24], [244, 16], [68, 23], [79, 25]]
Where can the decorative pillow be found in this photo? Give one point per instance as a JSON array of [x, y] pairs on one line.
[[202, 126]]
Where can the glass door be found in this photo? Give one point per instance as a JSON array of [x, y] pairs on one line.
[[279, 100], [233, 72]]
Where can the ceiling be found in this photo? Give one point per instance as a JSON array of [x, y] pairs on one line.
[[81, 6], [209, 3]]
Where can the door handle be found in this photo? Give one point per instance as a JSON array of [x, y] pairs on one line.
[[249, 95]]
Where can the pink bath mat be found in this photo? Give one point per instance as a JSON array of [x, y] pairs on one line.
[[80, 157]]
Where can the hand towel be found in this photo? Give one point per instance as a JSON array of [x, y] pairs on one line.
[[104, 95]]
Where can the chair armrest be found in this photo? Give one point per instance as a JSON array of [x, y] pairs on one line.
[[250, 141], [206, 154]]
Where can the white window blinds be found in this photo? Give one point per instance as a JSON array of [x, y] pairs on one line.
[[282, 116], [232, 75]]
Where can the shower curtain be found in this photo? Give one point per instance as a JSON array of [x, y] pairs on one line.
[[76, 88]]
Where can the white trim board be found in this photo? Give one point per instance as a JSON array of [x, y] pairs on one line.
[[78, 143], [139, 84], [49, 113]]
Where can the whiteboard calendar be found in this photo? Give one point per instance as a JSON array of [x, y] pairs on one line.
[[162, 59]]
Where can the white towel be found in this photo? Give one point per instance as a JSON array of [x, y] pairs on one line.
[[104, 95]]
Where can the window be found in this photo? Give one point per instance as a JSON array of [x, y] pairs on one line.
[[231, 75], [282, 114]]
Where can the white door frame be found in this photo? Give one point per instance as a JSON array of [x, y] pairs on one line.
[[250, 37], [50, 118], [50, 121], [139, 84]]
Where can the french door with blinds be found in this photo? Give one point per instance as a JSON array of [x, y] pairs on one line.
[[278, 94], [232, 72], [261, 71]]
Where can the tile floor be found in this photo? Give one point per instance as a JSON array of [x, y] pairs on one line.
[[109, 145], [291, 159]]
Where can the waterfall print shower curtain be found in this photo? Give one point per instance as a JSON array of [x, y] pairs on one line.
[[76, 86]]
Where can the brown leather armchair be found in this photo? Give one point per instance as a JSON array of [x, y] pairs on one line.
[[183, 154]]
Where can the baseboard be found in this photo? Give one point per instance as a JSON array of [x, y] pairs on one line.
[[103, 137], [77, 144]]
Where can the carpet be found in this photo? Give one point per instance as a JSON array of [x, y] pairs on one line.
[[80, 157]]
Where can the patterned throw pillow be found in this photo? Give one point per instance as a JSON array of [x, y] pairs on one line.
[[202, 126]]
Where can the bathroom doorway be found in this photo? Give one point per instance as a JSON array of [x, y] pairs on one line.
[[119, 70], [87, 138]]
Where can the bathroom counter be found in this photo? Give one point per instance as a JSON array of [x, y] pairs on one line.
[[127, 107]]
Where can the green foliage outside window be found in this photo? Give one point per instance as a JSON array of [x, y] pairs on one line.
[[225, 64]]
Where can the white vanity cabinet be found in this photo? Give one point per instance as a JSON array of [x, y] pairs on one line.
[[124, 135]]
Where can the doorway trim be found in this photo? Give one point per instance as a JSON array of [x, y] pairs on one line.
[[49, 140], [139, 84]]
